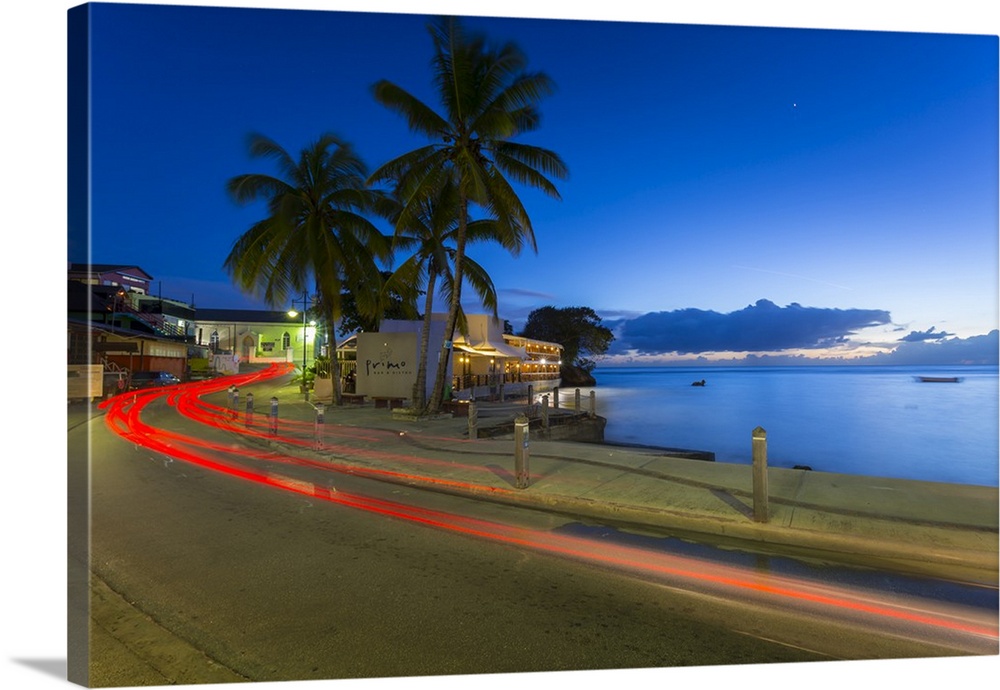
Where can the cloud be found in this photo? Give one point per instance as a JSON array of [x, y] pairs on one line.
[[612, 318], [521, 292], [921, 336], [760, 327], [983, 350]]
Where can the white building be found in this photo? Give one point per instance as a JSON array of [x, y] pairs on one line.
[[484, 362]]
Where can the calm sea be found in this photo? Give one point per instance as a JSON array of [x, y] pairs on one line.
[[876, 421]]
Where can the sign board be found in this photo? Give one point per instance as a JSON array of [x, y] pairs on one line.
[[387, 364], [226, 364], [85, 381]]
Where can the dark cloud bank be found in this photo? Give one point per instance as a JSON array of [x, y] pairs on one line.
[[979, 349], [763, 326], [766, 327], [921, 336]]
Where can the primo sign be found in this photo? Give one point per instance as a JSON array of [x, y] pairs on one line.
[[387, 364]]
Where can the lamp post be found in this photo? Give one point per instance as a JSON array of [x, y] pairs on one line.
[[305, 335], [293, 314]]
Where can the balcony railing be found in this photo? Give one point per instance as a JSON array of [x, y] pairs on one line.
[[464, 381]]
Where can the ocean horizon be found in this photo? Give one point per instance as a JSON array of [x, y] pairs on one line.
[[874, 420]]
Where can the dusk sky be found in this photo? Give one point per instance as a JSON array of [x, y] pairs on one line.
[[787, 191]]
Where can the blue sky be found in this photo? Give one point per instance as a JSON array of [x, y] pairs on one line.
[[837, 185]]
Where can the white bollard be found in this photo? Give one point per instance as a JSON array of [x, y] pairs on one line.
[[248, 418], [273, 418], [320, 421], [521, 452], [473, 421], [760, 511]]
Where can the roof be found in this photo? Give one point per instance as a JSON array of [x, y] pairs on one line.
[[533, 341], [107, 268], [82, 298], [245, 316], [491, 350]]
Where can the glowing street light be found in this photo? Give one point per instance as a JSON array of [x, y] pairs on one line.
[[292, 313]]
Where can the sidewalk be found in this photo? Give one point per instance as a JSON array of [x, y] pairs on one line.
[[915, 527]]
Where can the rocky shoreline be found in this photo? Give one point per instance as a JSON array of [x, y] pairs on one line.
[[576, 377]]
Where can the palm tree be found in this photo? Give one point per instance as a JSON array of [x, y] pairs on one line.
[[398, 301], [488, 99], [431, 238], [315, 230]]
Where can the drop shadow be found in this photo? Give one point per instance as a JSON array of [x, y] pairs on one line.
[[57, 668], [733, 502], [503, 473]]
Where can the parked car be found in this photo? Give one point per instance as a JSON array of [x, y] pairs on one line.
[[152, 379]]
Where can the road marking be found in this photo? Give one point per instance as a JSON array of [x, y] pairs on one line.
[[787, 644]]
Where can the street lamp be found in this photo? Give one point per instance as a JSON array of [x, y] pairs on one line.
[[293, 314]]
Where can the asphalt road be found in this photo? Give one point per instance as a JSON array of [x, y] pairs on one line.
[[204, 577]]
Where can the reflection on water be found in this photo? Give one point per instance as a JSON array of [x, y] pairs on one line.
[[877, 421]]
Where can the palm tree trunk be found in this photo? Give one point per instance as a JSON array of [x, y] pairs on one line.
[[437, 394], [420, 387], [338, 389], [338, 397]]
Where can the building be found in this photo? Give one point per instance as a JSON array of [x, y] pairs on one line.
[[168, 315], [127, 276], [106, 342], [542, 361], [116, 327], [260, 335], [125, 289], [484, 361], [483, 357]]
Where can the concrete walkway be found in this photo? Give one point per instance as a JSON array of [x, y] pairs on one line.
[[914, 527]]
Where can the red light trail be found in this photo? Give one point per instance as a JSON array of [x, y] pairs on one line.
[[124, 417]]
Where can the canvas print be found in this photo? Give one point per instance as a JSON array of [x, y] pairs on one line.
[[406, 346]]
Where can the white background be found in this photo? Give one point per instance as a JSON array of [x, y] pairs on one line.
[[33, 481]]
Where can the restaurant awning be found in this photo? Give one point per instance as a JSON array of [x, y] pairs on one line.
[[487, 349]]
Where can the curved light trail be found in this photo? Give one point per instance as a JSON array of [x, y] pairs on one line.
[[962, 628]]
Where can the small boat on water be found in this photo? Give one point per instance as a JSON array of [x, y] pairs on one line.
[[939, 379]]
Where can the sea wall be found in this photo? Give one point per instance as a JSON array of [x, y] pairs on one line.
[[576, 427]]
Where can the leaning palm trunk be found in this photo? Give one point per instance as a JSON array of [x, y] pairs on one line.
[[420, 387], [444, 357]]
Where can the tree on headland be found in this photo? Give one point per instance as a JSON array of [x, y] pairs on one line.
[[315, 235], [577, 329], [488, 99]]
